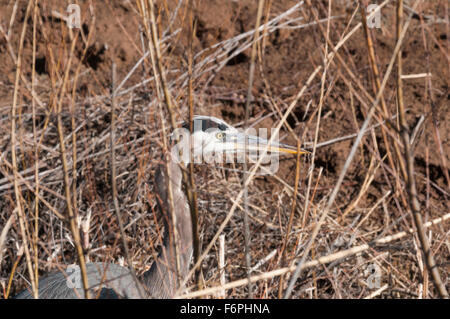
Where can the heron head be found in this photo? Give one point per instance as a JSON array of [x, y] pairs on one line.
[[212, 135]]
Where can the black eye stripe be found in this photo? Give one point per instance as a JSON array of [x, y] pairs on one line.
[[206, 124]]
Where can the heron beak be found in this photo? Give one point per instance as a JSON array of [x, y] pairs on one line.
[[255, 143]]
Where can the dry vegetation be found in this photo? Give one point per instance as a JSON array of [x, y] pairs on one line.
[[55, 86]]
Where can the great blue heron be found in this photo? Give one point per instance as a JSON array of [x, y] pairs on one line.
[[113, 281]]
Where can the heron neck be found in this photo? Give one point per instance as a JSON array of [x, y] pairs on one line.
[[161, 278]]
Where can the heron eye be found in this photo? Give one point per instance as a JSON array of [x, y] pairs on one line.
[[220, 136]]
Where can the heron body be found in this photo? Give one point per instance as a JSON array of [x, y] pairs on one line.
[[107, 280]]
